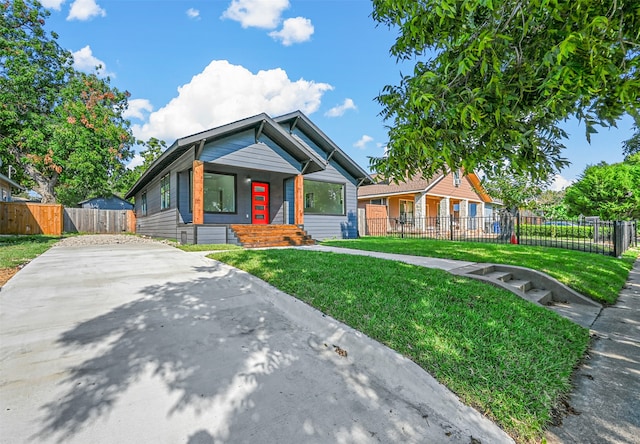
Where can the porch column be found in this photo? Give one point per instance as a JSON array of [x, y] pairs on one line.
[[420, 205], [298, 200], [464, 213], [198, 192]]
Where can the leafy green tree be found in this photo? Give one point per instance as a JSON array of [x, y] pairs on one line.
[[632, 145], [550, 204], [494, 79], [62, 129], [515, 192], [152, 149], [609, 191]]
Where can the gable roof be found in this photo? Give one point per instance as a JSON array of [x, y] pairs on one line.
[[417, 184], [297, 120], [261, 123]]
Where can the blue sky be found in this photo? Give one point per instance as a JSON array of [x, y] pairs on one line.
[[194, 64]]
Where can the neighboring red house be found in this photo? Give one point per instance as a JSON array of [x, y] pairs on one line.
[[420, 202]]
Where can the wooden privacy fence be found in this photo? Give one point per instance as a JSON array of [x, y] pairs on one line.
[[90, 220], [30, 218], [35, 218]]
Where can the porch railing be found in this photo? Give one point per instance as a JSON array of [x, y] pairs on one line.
[[595, 236]]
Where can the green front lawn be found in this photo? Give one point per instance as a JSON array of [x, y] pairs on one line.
[[510, 359], [597, 276], [18, 250]]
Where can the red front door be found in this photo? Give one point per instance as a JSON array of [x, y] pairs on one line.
[[259, 203]]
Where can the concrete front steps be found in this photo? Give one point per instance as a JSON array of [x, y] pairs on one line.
[[261, 236], [538, 288]]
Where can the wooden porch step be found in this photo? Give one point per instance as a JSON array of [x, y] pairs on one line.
[[257, 236]]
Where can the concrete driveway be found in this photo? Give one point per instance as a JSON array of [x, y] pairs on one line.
[[143, 343]]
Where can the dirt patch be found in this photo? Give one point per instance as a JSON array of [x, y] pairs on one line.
[[7, 273]]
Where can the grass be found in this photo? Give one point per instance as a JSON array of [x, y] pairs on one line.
[[510, 359], [597, 276], [18, 250], [208, 247]]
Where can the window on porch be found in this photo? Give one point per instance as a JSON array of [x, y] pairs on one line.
[[219, 193], [323, 198]]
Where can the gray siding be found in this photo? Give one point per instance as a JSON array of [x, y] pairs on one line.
[[185, 234], [242, 151], [162, 224], [322, 227], [212, 235]]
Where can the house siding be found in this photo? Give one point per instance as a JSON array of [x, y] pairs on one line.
[[212, 235], [446, 188], [321, 226], [242, 151], [162, 224]]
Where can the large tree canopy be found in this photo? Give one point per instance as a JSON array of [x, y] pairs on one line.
[[62, 129], [609, 191], [494, 79]]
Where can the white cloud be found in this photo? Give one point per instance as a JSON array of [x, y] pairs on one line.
[[193, 13], [294, 30], [137, 109], [223, 93], [559, 183], [52, 4], [85, 10], [256, 13], [84, 60], [362, 143], [339, 110], [136, 161]]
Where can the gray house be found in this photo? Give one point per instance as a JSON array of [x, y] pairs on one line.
[[259, 171]]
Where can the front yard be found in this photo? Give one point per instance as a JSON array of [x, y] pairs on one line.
[[597, 276], [509, 359]]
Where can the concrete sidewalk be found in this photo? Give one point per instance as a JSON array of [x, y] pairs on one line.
[[606, 399], [147, 344]]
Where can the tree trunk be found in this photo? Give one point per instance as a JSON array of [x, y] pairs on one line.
[[45, 186]]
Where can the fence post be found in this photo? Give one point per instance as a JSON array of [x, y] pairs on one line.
[[616, 238], [450, 227], [518, 220]]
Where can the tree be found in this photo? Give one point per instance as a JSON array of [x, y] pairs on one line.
[[493, 80], [632, 145], [550, 204], [62, 129], [153, 148], [514, 192], [611, 192]]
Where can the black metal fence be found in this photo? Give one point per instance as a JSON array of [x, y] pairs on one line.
[[590, 235]]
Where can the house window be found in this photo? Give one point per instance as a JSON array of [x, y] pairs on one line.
[[323, 198], [382, 201], [143, 204], [456, 178], [219, 193], [165, 192]]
